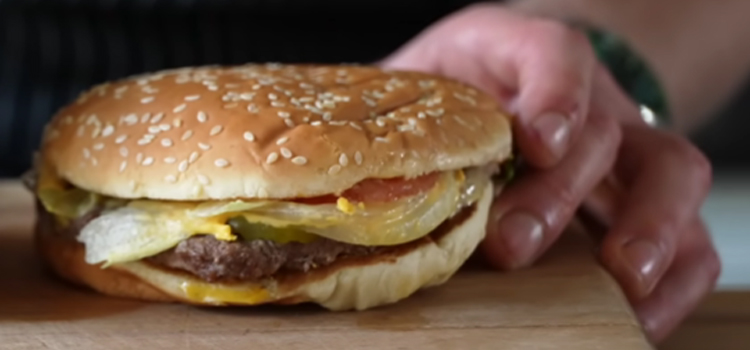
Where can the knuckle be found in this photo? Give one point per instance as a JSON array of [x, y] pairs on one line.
[[607, 131], [693, 161], [713, 265], [562, 192], [701, 166], [559, 33]]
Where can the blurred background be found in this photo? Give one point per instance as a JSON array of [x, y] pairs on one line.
[[50, 50]]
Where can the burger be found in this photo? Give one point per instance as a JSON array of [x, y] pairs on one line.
[[344, 186]]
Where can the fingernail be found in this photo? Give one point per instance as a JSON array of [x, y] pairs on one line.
[[645, 259], [520, 235], [554, 130]]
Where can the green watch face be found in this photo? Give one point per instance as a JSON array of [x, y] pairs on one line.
[[630, 71]]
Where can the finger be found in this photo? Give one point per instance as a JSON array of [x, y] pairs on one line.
[[667, 180], [694, 275], [555, 71], [530, 215], [606, 200]]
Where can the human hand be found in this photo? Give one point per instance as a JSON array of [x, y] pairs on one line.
[[576, 129]]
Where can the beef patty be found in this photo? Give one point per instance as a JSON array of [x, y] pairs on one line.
[[215, 260]]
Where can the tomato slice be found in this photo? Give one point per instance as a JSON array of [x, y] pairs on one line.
[[381, 190]]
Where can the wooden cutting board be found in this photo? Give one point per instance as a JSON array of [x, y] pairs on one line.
[[565, 302]]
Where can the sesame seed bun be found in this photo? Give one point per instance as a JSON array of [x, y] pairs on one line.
[[362, 284], [269, 131]]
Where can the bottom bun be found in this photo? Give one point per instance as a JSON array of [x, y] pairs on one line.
[[350, 284]]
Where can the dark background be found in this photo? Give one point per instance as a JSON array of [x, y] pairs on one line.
[[50, 50]]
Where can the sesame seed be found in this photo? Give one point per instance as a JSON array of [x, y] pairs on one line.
[[358, 158], [277, 104], [204, 146], [202, 117], [94, 161], [96, 132], [282, 140], [381, 139], [98, 147], [462, 122], [283, 114], [343, 159], [380, 122], [203, 179], [247, 96], [249, 136], [286, 153], [464, 98], [338, 122], [412, 122], [183, 166], [327, 116], [369, 102], [289, 123], [157, 118], [299, 160], [170, 160], [145, 118], [139, 158], [426, 84], [148, 161], [316, 123], [405, 127], [154, 129], [166, 142], [213, 87], [179, 108], [124, 151], [177, 123], [143, 142], [421, 115], [216, 130], [86, 153], [123, 165], [165, 127], [273, 157], [436, 113], [108, 130], [192, 98], [147, 100], [252, 108], [272, 97], [221, 163], [120, 139], [193, 157], [230, 105], [170, 178], [355, 125], [131, 119], [334, 169], [188, 134]]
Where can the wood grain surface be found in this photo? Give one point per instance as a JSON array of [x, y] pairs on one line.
[[565, 302]]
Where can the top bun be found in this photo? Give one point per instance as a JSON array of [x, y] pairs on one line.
[[269, 131]]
